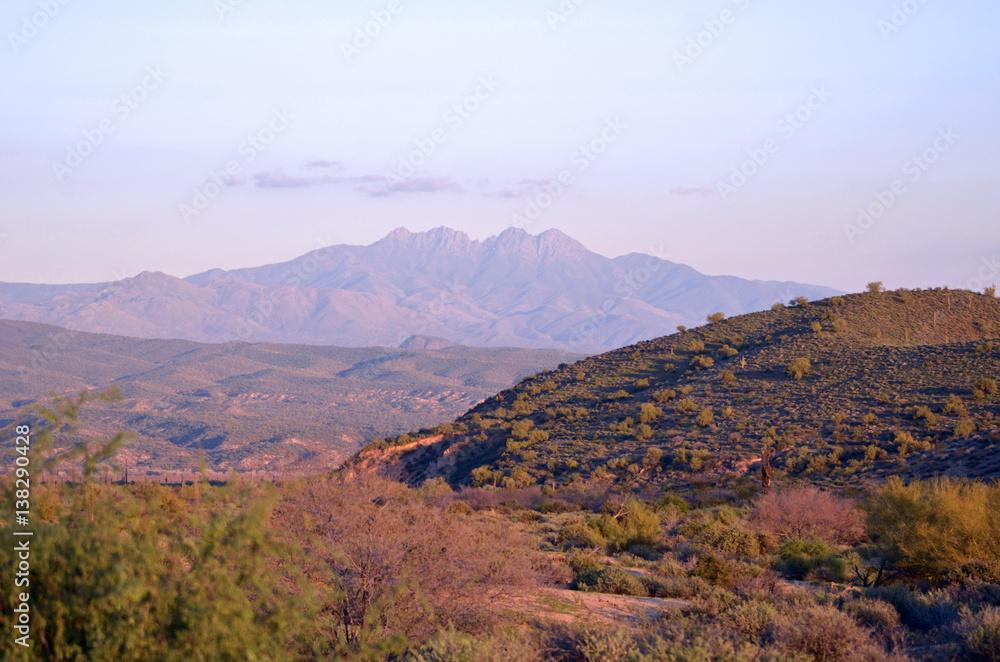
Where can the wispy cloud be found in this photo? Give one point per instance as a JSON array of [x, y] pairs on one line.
[[520, 189], [283, 180], [692, 190], [414, 185], [325, 164], [372, 185]]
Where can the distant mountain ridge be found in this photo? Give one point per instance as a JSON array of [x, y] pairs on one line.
[[514, 289], [251, 405]]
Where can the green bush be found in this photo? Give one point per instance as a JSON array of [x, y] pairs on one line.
[[634, 524], [751, 618], [927, 528], [673, 501], [714, 569], [811, 559], [611, 580]]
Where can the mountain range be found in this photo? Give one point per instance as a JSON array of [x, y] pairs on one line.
[[511, 290]]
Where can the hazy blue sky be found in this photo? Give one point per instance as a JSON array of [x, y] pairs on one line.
[[171, 93]]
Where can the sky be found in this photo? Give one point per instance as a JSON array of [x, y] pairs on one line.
[[826, 142]]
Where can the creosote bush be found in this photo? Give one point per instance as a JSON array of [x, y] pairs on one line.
[[799, 368]]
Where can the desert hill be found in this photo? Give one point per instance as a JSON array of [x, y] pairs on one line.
[[843, 390]]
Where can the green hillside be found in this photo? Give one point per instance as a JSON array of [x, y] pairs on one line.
[[843, 390]]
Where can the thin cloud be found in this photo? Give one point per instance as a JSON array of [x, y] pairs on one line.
[[692, 190], [521, 189], [415, 185], [325, 164]]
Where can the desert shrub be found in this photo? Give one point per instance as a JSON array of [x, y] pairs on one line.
[[964, 428], [686, 406], [816, 326], [811, 559], [653, 457], [875, 287], [906, 444], [839, 325], [664, 395], [778, 306], [930, 418], [734, 540], [876, 614], [696, 347], [705, 417], [715, 318], [799, 301], [641, 383], [458, 508], [980, 634], [611, 580], [751, 618], [452, 646], [990, 291], [388, 561], [702, 362], [643, 432], [808, 512], [825, 633], [673, 502], [927, 528], [983, 388], [714, 569], [521, 428], [955, 407], [918, 611], [799, 368], [649, 413], [634, 524]]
